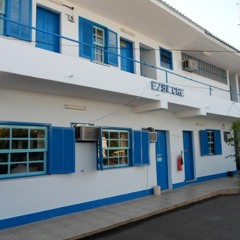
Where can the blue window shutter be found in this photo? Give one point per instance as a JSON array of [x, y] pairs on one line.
[[112, 47], [62, 150], [86, 38], [203, 142], [140, 148], [100, 153], [145, 148], [19, 11], [136, 148], [217, 142]]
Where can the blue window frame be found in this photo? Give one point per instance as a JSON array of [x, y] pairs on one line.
[[19, 11], [122, 148], [97, 42], [2, 7], [2, 14], [32, 149], [23, 150], [114, 148], [166, 58], [210, 142]]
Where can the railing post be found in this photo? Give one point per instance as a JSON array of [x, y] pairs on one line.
[[210, 90], [166, 76]]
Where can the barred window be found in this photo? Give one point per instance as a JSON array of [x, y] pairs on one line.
[[208, 70]]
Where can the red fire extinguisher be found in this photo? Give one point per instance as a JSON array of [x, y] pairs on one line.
[[179, 163]]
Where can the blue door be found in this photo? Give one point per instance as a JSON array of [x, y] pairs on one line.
[[162, 160], [188, 155], [47, 21], [126, 56]]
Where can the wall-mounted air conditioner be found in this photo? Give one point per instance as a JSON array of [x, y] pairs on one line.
[[86, 133], [190, 65]]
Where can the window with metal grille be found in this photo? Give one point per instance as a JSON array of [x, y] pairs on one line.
[[208, 70]]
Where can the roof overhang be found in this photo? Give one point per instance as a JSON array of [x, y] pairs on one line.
[[164, 24]]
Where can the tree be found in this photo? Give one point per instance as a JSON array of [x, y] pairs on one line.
[[234, 140]]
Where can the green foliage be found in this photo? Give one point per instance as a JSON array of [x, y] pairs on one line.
[[234, 140]]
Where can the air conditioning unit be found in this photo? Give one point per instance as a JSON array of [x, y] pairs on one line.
[[86, 133], [190, 65], [153, 137]]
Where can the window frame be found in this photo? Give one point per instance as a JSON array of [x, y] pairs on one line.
[[86, 42], [108, 148], [210, 142], [3, 9], [11, 151], [166, 58]]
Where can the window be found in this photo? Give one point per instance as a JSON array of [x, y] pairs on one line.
[[208, 70], [19, 11], [31, 150], [115, 148], [23, 150], [166, 58], [122, 148], [97, 42], [210, 142], [2, 14]]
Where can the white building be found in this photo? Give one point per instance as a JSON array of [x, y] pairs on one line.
[[118, 73]]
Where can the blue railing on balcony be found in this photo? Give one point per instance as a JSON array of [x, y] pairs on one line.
[[210, 88]]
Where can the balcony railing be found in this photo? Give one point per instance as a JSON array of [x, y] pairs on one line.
[[168, 74]]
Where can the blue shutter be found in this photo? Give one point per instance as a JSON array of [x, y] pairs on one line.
[[86, 38], [62, 150], [99, 153], [112, 46], [217, 142], [203, 142], [140, 148], [145, 148], [19, 11]]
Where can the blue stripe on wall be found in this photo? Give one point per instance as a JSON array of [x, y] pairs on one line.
[[16, 221]]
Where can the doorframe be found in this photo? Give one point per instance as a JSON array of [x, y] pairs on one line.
[[169, 164], [193, 155]]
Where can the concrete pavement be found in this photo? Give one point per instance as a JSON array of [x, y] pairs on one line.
[[86, 223]]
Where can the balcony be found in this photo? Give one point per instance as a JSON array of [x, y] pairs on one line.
[[54, 73]]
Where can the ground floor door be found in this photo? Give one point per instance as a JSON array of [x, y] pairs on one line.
[[47, 21], [188, 155], [126, 56], [162, 160]]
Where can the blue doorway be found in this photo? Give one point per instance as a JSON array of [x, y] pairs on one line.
[[126, 52], [48, 21], [162, 160], [188, 155]]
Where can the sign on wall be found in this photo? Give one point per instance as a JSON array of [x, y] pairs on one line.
[[162, 87]]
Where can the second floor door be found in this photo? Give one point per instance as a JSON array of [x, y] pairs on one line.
[[48, 22]]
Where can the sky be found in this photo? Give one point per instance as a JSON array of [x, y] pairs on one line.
[[220, 17]]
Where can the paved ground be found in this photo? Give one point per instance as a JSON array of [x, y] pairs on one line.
[[87, 223], [217, 218]]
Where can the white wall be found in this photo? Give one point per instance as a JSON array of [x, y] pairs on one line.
[[86, 184]]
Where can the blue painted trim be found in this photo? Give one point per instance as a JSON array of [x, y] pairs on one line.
[[25, 123], [34, 217], [201, 179]]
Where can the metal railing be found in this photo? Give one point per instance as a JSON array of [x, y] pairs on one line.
[[167, 73]]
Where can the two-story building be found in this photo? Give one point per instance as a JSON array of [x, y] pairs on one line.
[[102, 101]]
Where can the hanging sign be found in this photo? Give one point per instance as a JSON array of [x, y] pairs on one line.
[[162, 87]]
